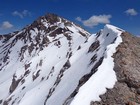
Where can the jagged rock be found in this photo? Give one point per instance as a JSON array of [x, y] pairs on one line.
[[127, 68]]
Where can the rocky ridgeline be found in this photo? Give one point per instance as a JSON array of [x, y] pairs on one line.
[[127, 67]]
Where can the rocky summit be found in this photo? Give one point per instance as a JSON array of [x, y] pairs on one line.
[[55, 62]]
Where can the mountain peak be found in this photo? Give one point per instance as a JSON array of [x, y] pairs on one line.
[[51, 22], [55, 62], [46, 19], [52, 18]]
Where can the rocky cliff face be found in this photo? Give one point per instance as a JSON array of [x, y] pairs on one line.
[[127, 67], [55, 62]]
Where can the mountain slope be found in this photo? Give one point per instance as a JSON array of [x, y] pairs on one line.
[[55, 62], [127, 67]]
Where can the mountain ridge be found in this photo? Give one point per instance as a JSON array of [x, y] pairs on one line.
[[126, 90], [59, 60]]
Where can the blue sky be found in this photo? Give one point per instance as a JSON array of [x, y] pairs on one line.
[[90, 14]]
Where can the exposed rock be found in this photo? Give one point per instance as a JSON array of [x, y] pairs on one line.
[[52, 18], [40, 63], [79, 48], [127, 67], [0, 101], [94, 46], [138, 91], [67, 65], [14, 84], [36, 75], [27, 66], [93, 59]]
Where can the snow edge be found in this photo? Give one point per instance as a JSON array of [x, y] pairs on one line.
[[105, 78]]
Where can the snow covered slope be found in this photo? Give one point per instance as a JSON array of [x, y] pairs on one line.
[[55, 62]]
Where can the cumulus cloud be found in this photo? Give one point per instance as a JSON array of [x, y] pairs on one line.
[[95, 20], [6, 25], [131, 12], [22, 14]]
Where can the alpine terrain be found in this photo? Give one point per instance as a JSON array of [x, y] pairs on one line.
[[55, 62]]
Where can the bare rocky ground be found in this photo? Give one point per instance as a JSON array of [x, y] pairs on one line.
[[127, 67]]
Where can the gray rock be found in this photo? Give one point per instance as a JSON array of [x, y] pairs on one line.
[[127, 67]]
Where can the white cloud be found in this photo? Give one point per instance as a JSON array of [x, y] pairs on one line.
[[6, 25], [79, 19], [22, 14], [95, 20], [16, 13], [131, 12]]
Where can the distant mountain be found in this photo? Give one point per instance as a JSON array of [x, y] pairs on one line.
[[55, 62]]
